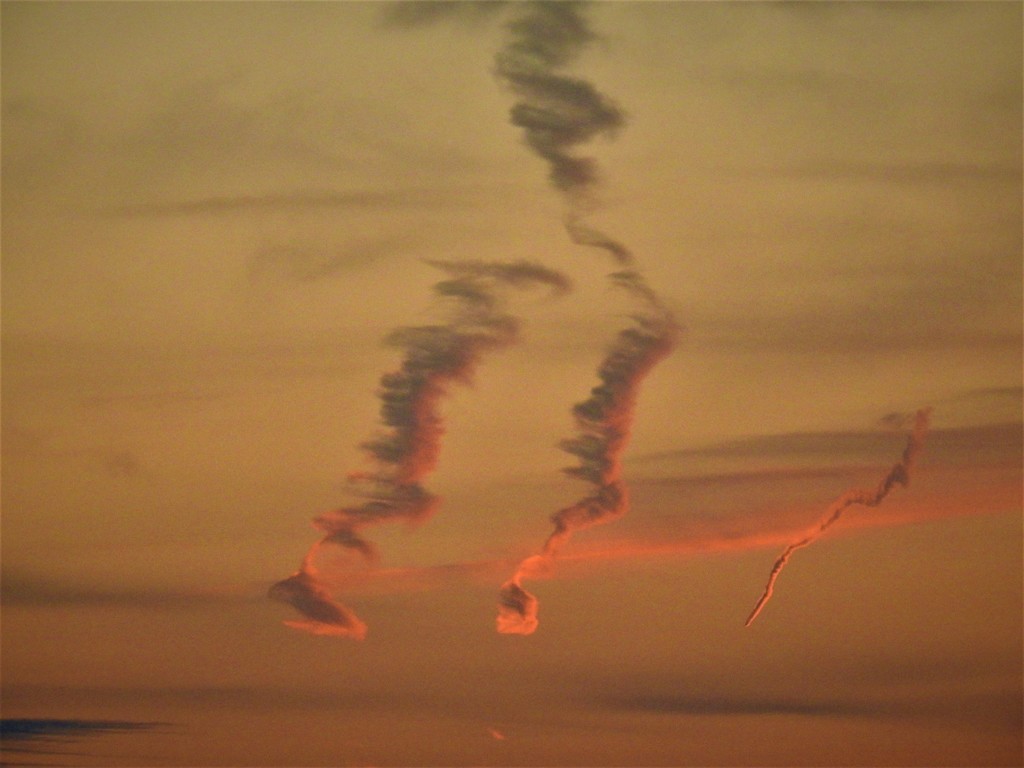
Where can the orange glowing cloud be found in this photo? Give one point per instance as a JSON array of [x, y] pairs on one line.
[[898, 475]]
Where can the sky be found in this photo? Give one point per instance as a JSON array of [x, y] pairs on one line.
[[307, 306]]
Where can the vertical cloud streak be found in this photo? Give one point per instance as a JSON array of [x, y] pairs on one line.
[[407, 450], [898, 475], [604, 423], [557, 113]]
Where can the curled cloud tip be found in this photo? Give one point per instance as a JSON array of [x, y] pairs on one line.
[[517, 609], [304, 592]]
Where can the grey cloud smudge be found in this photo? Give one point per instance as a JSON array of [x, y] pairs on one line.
[[286, 201], [997, 709], [682, 704], [411, 13], [557, 112], [864, 325], [17, 728], [949, 442], [20, 588], [50, 736], [307, 262], [935, 172]]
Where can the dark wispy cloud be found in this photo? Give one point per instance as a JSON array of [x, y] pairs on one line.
[[296, 200], [358, 693], [955, 666], [1015, 393], [310, 262], [696, 704], [685, 483], [103, 375], [939, 171], [49, 737], [205, 146], [22, 588], [997, 708], [849, 443], [407, 450], [861, 325], [121, 463], [980, 686], [16, 728], [406, 13], [215, 121]]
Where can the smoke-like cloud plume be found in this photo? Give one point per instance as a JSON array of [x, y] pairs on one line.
[[558, 112], [604, 422], [407, 450], [898, 475]]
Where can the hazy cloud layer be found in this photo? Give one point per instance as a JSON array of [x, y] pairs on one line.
[[210, 145], [26, 589], [104, 375], [310, 262], [999, 709], [20, 729], [300, 200], [411, 14], [921, 172], [961, 441], [980, 685], [50, 737]]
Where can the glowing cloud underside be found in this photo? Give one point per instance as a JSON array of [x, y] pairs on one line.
[[435, 357], [556, 113], [898, 475]]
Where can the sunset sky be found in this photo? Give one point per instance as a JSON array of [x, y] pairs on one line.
[[214, 215]]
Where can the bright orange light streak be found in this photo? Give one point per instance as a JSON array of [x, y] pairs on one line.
[[899, 474]]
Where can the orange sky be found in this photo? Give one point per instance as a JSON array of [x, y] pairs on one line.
[[214, 214]]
